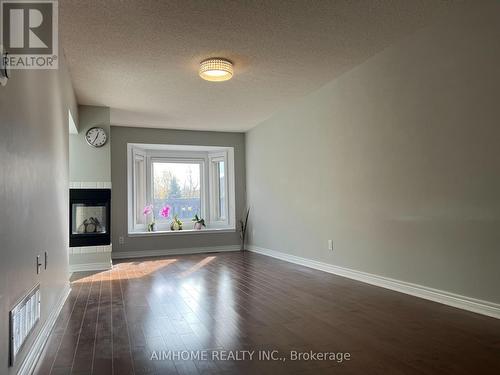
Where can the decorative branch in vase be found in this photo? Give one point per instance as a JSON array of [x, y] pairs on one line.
[[243, 223]]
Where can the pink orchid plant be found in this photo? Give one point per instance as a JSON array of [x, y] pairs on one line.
[[165, 211], [148, 210]]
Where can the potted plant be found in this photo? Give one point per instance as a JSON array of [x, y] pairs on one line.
[[165, 211], [176, 224], [198, 222], [148, 210]]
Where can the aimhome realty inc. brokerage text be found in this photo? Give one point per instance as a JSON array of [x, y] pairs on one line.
[[247, 355]]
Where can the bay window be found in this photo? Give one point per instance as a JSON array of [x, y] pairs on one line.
[[167, 181]]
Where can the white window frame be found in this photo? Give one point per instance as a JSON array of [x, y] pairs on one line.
[[206, 156], [213, 159], [136, 154], [177, 158]]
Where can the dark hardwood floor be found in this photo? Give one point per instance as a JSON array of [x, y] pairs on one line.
[[116, 322]]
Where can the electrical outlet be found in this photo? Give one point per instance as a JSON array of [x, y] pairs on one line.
[[121, 240], [330, 245]]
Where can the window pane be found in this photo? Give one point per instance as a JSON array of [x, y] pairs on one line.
[[139, 190], [222, 190], [178, 186]]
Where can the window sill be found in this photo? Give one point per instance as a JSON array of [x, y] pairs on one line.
[[181, 232]]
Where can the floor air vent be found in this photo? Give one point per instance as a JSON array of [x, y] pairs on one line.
[[22, 319]]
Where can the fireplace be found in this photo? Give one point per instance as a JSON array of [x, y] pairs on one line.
[[89, 217]]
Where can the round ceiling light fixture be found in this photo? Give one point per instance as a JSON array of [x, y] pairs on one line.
[[216, 69]]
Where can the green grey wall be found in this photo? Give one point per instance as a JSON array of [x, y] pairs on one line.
[[120, 136], [397, 161], [86, 163], [33, 192]]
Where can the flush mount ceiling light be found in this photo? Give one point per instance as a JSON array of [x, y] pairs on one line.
[[216, 69]]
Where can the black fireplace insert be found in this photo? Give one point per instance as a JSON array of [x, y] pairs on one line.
[[89, 217]]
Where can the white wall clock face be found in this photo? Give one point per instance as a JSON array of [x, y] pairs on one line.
[[96, 137]]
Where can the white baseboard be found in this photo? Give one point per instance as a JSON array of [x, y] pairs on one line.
[[29, 363], [168, 252], [83, 267], [451, 299]]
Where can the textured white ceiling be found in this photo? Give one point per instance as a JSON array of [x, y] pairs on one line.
[[141, 57]]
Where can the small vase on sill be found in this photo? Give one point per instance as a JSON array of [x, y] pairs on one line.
[[199, 223], [176, 224]]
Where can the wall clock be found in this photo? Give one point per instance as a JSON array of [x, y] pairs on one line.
[[96, 137]]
